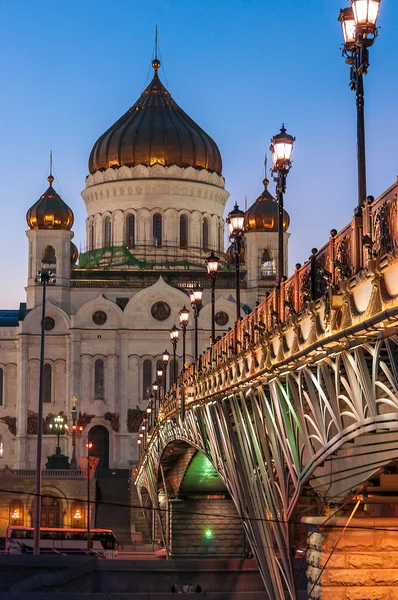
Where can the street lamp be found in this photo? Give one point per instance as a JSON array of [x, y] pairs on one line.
[[59, 425], [155, 389], [174, 333], [73, 462], [149, 410], [359, 31], [165, 359], [195, 295], [44, 277], [184, 320], [89, 445], [212, 262], [235, 221], [281, 149]]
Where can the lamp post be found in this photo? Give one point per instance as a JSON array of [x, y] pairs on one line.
[[165, 359], [212, 262], [156, 394], [73, 462], [281, 148], [195, 295], [174, 333], [89, 445], [59, 426], [44, 278], [359, 30], [184, 320], [235, 221]]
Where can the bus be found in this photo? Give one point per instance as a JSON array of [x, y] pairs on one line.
[[53, 540]]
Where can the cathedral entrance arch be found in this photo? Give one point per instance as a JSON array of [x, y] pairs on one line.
[[99, 436], [50, 512]]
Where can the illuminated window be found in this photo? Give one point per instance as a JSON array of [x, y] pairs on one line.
[[130, 231], [146, 378], [267, 264], [1, 387], [107, 232], [205, 234], [99, 380], [183, 231], [77, 515], [157, 230], [47, 383], [16, 511]]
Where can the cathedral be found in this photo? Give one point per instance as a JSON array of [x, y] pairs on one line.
[[155, 197]]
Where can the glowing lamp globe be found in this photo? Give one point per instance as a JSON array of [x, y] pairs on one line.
[[346, 18], [184, 316], [366, 12]]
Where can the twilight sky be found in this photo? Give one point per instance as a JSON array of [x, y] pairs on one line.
[[239, 68]]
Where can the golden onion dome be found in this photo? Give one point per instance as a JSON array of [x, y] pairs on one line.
[[263, 214], [50, 211], [74, 254], [155, 130]]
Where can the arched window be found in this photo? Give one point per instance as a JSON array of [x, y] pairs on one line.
[[107, 232], [1, 387], [170, 369], [99, 380], [183, 231], [49, 256], [205, 234], [267, 264], [220, 238], [130, 231], [77, 515], [157, 230], [146, 378], [92, 237], [1, 447], [16, 512], [47, 383]]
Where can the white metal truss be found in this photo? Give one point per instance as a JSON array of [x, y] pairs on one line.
[[268, 439]]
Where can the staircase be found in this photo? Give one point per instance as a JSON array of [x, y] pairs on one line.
[[140, 522], [113, 488]]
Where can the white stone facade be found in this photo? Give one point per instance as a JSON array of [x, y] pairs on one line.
[[75, 347]]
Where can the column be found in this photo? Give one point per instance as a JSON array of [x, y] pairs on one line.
[[22, 401], [74, 366]]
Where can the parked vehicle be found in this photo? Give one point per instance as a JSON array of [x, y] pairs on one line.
[[19, 540]]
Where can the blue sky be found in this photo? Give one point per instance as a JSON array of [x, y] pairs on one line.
[[70, 68]]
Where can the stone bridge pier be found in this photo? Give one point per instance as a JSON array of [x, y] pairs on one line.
[[194, 514]]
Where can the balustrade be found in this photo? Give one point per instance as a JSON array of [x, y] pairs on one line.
[[341, 258]]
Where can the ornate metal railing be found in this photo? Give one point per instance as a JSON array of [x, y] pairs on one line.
[[370, 235]]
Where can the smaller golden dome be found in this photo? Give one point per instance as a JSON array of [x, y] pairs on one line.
[[263, 214], [50, 211], [74, 254]]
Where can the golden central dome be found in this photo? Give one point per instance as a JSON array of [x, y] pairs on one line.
[[263, 214], [155, 130], [50, 211]]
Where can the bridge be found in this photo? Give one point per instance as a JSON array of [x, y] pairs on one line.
[[302, 393]]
